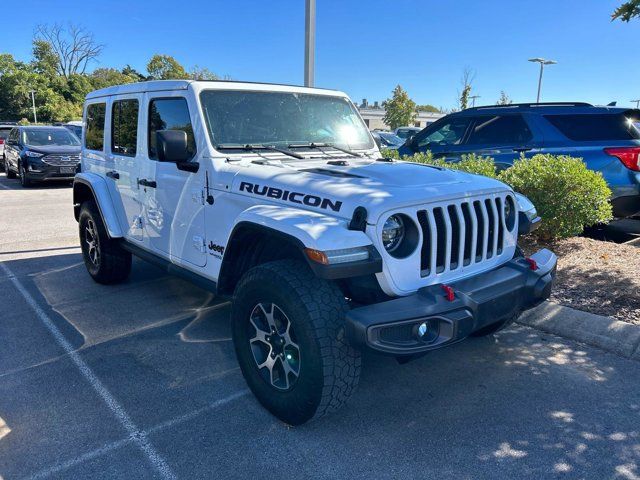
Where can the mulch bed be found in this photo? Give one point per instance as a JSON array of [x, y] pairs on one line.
[[595, 276]]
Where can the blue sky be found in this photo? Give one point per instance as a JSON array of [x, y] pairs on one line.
[[367, 47]]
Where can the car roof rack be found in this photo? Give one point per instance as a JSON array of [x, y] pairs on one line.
[[532, 105]]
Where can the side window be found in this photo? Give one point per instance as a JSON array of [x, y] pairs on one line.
[[94, 136], [450, 132], [170, 114], [499, 130], [124, 127], [13, 136]]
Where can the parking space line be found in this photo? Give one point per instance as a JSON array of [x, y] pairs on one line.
[[120, 443], [118, 411]]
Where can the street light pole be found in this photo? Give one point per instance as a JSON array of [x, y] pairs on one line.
[[473, 100], [309, 42], [33, 103], [542, 63], [637, 102]]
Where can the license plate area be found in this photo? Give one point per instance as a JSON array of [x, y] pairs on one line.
[[67, 169]]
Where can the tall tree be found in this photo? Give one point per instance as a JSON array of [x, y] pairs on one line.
[[467, 79], [74, 47], [428, 108], [400, 109], [202, 73], [165, 67], [627, 11], [504, 99]]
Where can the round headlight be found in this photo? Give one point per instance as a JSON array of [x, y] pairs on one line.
[[392, 233], [509, 213]]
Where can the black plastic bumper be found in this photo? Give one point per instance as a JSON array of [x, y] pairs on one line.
[[393, 326], [42, 172]]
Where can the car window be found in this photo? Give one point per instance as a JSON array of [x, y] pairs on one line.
[[170, 114], [499, 130], [4, 133], [40, 137], [94, 136], [449, 132], [124, 127], [594, 127], [13, 135]]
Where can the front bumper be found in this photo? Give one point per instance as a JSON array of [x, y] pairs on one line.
[[41, 171], [482, 300]]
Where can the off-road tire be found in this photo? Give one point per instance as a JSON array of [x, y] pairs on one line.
[[8, 171], [114, 263], [25, 181], [329, 367]]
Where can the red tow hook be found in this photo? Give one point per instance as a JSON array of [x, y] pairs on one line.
[[532, 263], [448, 293]]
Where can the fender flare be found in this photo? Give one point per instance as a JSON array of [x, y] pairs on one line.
[[100, 192]]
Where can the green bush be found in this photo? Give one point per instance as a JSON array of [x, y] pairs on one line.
[[567, 195], [470, 163]]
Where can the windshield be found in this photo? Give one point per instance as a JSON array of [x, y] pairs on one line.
[[236, 117], [75, 129], [391, 139], [49, 136]]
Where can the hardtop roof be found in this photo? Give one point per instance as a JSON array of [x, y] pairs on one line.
[[167, 85], [556, 108]]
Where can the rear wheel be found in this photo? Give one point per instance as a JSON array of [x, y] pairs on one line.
[[106, 261], [288, 333]]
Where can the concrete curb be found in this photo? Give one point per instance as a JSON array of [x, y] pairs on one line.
[[602, 332]]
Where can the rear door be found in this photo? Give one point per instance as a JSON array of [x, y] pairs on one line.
[[502, 137]]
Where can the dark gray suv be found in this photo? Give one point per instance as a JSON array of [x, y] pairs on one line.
[[606, 138]]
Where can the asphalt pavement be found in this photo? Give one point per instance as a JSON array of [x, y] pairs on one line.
[[139, 380]]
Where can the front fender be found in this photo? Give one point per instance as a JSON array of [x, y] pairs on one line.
[[86, 182], [312, 229]]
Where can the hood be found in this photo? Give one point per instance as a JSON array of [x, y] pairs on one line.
[[379, 186], [62, 149]]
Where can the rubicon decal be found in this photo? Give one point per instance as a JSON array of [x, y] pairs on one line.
[[289, 196]]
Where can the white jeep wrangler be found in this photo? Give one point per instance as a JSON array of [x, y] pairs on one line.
[[277, 197]]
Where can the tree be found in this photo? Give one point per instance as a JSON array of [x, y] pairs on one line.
[[107, 77], [467, 79], [202, 73], [132, 72], [73, 46], [400, 109], [428, 108], [627, 11], [165, 67], [504, 99]]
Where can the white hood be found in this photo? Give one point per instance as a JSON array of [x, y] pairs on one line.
[[379, 186]]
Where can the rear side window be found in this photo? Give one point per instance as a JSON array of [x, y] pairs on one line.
[[124, 127], [170, 114], [4, 133], [595, 126], [499, 130], [94, 136]]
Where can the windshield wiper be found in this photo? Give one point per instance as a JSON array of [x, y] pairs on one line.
[[251, 147], [320, 146]]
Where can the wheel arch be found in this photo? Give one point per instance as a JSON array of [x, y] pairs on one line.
[[88, 186]]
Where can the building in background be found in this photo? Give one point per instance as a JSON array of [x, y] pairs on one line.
[[373, 116]]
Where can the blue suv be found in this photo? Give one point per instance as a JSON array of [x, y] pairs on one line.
[[606, 138]]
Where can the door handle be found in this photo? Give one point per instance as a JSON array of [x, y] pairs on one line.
[[147, 183], [113, 174], [522, 149]]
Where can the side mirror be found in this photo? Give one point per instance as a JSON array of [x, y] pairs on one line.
[[171, 146]]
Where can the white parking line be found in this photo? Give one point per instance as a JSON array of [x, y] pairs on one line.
[[4, 187], [137, 436], [60, 467]]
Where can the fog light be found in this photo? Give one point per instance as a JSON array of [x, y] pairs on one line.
[[427, 331], [423, 329]]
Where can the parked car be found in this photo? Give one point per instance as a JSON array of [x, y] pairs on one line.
[[387, 140], [4, 133], [406, 132], [604, 137], [41, 153], [277, 198], [75, 127]]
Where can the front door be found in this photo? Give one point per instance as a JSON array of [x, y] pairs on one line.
[[173, 200]]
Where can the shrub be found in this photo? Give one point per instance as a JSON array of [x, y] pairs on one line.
[[567, 195], [470, 163]]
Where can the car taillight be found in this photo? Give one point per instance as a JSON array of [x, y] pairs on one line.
[[629, 156], [1, 141]]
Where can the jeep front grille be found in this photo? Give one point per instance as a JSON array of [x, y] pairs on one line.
[[61, 159], [460, 234]]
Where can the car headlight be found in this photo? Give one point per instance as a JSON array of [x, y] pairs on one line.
[[509, 213], [31, 154], [392, 233]]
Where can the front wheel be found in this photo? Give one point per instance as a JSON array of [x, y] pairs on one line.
[[288, 333], [8, 171], [25, 181]]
